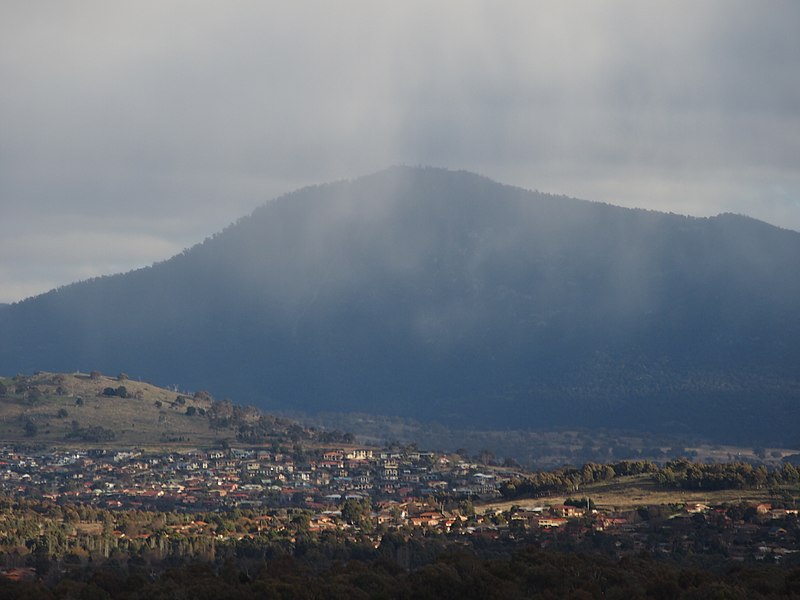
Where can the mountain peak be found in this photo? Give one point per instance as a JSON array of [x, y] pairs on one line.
[[437, 294]]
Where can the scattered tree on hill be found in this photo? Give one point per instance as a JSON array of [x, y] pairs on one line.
[[121, 391], [203, 395], [91, 434], [31, 429], [95, 375]]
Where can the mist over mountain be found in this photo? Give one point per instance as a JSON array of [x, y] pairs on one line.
[[446, 296]]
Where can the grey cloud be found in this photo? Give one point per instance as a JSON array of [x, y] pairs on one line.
[[178, 117]]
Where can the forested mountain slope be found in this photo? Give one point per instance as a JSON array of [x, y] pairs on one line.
[[444, 295]]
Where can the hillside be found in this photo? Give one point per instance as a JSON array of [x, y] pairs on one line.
[[81, 408], [445, 296]]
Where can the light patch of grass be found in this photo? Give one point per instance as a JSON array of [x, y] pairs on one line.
[[629, 493], [65, 402]]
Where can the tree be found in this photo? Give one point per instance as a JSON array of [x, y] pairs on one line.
[[485, 457], [580, 502], [31, 429], [466, 508], [203, 395], [357, 513]]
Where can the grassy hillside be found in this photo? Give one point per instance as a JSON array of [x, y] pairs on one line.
[[56, 407]]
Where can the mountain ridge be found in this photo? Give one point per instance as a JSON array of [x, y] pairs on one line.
[[444, 295]]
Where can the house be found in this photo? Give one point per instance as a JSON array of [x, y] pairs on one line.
[[359, 454], [566, 510], [763, 508], [550, 522]]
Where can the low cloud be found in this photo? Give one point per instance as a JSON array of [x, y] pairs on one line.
[[168, 120]]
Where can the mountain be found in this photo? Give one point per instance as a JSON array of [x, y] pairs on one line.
[[446, 296]]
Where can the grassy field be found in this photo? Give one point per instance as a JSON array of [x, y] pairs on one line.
[[627, 493]]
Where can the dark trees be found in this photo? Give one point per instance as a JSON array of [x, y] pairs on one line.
[[31, 429], [120, 391]]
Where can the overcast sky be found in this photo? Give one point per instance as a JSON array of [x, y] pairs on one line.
[[131, 130]]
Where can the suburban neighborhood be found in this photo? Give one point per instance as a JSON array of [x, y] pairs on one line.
[[361, 494]]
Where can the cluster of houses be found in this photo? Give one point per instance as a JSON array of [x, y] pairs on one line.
[[404, 490], [738, 532], [240, 477]]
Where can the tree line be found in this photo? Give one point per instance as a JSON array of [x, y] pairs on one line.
[[676, 474], [529, 573]]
